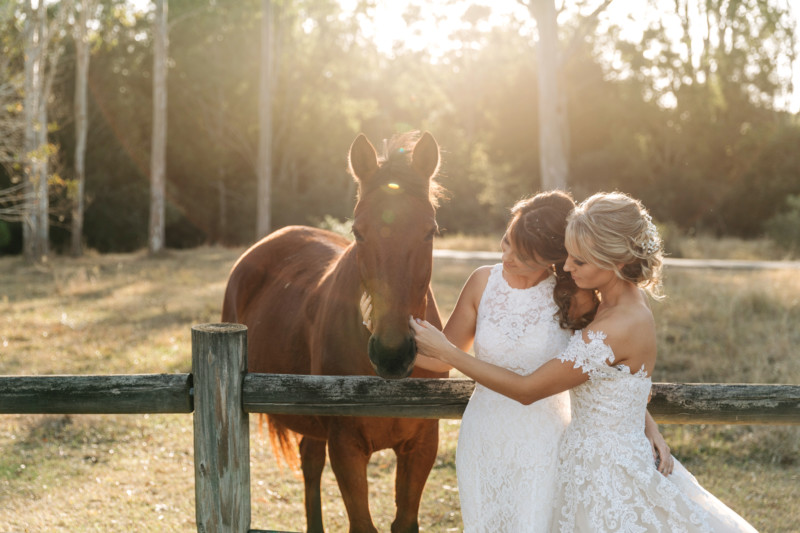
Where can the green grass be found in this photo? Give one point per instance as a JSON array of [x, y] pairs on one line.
[[128, 313]]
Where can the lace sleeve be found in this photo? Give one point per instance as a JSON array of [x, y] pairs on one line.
[[590, 357]]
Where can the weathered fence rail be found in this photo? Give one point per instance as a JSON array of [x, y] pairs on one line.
[[220, 394], [120, 394], [672, 403]]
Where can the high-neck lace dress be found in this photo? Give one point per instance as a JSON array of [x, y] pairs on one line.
[[507, 452], [607, 479]]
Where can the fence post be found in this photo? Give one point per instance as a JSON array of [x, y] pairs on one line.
[[221, 429]]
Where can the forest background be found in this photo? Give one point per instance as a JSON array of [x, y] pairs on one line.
[[684, 104]]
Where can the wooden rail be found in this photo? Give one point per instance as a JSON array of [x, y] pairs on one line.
[[120, 394], [672, 403], [220, 394]]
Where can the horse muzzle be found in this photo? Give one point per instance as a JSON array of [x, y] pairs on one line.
[[392, 362]]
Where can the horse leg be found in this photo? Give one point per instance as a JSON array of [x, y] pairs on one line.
[[312, 461], [415, 459], [349, 460]]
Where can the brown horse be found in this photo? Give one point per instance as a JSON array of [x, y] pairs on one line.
[[298, 292]]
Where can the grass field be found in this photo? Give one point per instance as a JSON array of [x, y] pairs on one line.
[[132, 314]]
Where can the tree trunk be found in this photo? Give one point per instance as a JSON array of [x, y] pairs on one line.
[[35, 228], [264, 164], [81, 125], [29, 222], [222, 190], [158, 151], [42, 163], [553, 128]]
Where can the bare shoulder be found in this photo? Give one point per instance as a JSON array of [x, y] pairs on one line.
[[478, 279], [482, 272], [630, 333], [473, 288]]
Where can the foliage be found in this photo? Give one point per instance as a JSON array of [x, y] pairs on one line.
[[342, 227], [784, 228]]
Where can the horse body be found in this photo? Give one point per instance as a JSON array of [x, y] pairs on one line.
[[298, 292]]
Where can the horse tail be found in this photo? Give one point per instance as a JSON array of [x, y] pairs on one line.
[[285, 443]]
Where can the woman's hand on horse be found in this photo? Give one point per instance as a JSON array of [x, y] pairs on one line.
[[430, 341], [366, 311]]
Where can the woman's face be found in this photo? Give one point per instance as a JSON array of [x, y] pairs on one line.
[[515, 264], [587, 275]]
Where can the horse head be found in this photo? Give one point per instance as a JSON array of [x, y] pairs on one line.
[[394, 224]]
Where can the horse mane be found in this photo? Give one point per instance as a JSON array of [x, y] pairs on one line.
[[395, 167]]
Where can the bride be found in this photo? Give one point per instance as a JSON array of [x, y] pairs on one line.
[[519, 314], [606, 479]]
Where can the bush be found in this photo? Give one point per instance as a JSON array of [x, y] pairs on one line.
[[5, 234], [784, 228], [331, 223]]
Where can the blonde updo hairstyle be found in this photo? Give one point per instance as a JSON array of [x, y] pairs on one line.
[[615, 232]]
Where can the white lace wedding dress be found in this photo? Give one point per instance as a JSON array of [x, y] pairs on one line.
[[607, 481], [507, 452]]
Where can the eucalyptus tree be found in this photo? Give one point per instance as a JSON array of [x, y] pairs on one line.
[[43, 49], [158, 148], [84, 13], [265, 99], [552, 101]]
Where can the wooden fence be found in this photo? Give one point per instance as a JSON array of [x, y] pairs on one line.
[[220, 394]]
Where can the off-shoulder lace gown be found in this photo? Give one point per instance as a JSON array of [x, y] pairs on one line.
[[507, 453], [607, 480]]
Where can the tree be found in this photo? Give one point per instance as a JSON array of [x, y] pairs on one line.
[[264, 170], [712, 74], [553, 132], [11, 117], [158, 150], [42, 51], [81, 34], [553, 121]]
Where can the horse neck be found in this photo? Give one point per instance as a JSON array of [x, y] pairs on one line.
[[342, 276]]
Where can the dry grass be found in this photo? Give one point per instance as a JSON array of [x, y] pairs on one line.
[[132, 314]]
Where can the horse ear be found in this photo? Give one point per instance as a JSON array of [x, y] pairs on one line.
[[425, 158], [363, 158]]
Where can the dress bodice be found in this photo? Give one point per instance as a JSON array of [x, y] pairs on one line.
[[515, 328], [607, 479], [614, 399], [507, 452]]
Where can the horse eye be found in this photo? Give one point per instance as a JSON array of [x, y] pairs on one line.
[[357, 235], [431, 233]]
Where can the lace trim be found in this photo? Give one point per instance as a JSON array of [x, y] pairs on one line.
[[595, 356]]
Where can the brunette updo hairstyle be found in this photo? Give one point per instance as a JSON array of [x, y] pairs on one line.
[[537, 229], [615, 232]]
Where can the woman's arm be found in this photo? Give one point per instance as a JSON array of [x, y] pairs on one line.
[[460, 327], [551, 378], [661, 453]]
